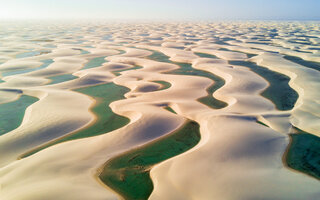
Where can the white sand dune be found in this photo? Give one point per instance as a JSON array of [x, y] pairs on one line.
[[306, 113], [242, 161], [151, 120], [8, 95], [19, 65], [236, 158], [59, 111], [45, 120], [303, 55], [212, 157]]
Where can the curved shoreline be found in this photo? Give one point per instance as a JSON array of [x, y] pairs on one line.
[[276, 86], [12, 124], [86, 131], [209, 100], [139, 185], [294, 161]]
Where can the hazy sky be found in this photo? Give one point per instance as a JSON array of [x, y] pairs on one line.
[[162, 9]]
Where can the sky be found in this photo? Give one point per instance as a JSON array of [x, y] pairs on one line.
[[161, 9]]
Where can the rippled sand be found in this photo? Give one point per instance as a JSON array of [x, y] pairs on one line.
[[154, 78]]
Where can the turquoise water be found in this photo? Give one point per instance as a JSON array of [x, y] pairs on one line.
[[61, 78], [309, 64], [187, 69], [84, 52], [95, 62], [279, 91], [28, 54], [205, 55], [106, 119], [304, 153], [12, 113], [249, 55], [165, 85], [129, 173]]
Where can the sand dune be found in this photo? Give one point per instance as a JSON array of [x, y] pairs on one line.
[[241, 153], [304, 81]]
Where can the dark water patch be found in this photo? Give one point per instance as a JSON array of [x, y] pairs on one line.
[[118, 72], [279, 91], [304, 153], [147, 88], [193, 39], [307, 36], [44, 52], [187, 69], [8, 51], [106, 120], [82, 52], [170, 109], [121, 51], [273, 35], [61, 78], [188, 43], [261, 49], [301, 51], [313, 48], [165, 85], [154, 38], [227, 39], [249, 55], [300, 42], [258, 42], [95, 62], [257, 38], [221, 42], [45, 64], [28, 54], [129, 173], [12, 113], [42, 40], [309, 64], [178, 48], [264, 40], [107, 37], [12, 90], [263, 124], [205, 55]]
